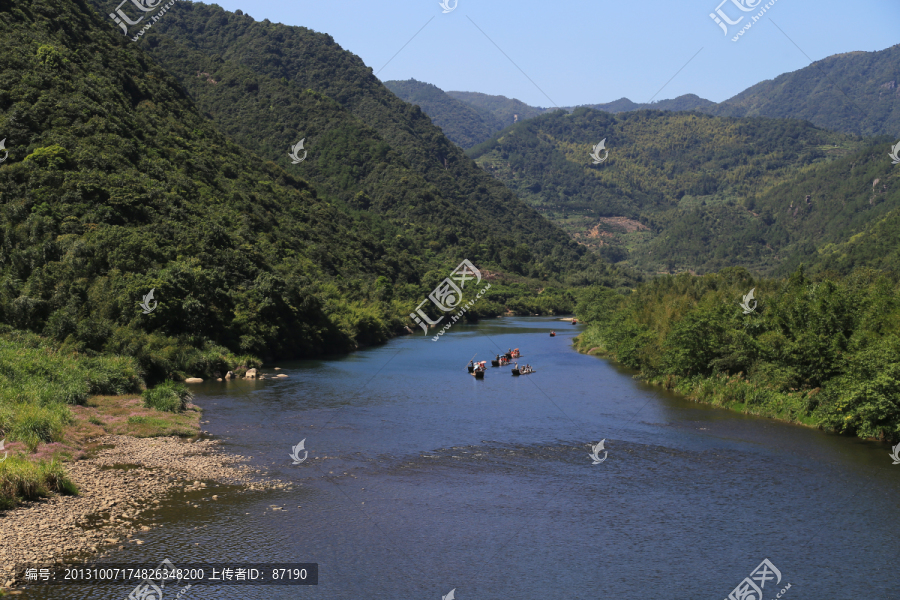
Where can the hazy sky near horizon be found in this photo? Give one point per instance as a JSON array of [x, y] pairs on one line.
[[572, 52]]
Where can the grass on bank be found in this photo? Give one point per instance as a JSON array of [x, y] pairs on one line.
[[21, 478], [53, 402]]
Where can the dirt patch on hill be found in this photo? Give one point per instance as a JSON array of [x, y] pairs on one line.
[[622, 224]]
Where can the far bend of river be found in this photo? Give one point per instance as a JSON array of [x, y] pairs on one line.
[[421, 479]]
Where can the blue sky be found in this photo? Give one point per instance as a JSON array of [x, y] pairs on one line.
[[574, 52]]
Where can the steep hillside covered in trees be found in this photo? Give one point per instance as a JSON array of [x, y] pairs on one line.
[[463, 124], [269, 85], [116, 185]]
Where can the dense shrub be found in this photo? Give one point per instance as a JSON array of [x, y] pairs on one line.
[[168, 396], [823, 350]]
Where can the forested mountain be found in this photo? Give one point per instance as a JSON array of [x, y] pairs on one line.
[[269, 85], [856, 92], [685, 191], [686, 102], [463, 124], [506, 110], [115, 185]]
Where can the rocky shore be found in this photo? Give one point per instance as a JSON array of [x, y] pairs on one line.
[[122, 483]]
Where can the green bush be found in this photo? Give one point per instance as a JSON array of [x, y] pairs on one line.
[[21, 479], [818, 351], [168, 396], [33, 423]]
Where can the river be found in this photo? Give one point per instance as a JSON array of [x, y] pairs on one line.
[[421, 480]]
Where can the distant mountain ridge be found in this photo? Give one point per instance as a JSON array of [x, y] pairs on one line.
[[506, 110], [853, 92]]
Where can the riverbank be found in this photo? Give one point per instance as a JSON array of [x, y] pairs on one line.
[[121, 480], [118, 491], [728, 392]]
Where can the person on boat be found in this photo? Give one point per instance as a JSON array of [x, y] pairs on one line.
[[517, 366], [471, 363]]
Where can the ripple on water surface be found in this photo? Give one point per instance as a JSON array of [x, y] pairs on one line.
[[420, 479]]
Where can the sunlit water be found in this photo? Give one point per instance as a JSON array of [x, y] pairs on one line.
[[421, 479]]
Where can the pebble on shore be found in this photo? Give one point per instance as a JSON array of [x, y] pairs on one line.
[[52, 529]]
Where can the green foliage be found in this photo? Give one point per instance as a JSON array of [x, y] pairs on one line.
[[168, 396], [819, 350], [381, 160], [464, 125], [498, 108], [116, 185], [21, 480], [683, 191], [38, 383]]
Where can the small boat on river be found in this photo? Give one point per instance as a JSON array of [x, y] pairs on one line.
[[526, 370], [502, 360], [552, 334], [478, 370]]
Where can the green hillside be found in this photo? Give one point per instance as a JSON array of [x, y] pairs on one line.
[[684, 191], [460, 122], [382, 157], [116, 185], [503, 109], [856, 93]]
